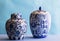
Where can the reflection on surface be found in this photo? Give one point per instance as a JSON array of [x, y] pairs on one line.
[[26, 38]]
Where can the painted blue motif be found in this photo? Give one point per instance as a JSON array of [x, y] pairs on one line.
[[39, 25], [16, 27]]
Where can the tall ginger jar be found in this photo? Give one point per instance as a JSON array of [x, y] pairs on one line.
[[40, 22]]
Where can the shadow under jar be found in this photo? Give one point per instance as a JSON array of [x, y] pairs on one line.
[[16, 27], [40, 22]]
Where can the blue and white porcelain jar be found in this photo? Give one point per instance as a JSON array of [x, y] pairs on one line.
[[40, 22], [16, 27]]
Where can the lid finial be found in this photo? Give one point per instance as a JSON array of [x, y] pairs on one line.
[[40, 8]]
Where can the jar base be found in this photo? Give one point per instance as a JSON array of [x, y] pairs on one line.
[[40, 36], [15, 38]]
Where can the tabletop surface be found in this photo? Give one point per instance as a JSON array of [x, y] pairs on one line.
[[4, 37]]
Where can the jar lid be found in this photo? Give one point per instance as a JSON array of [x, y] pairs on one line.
[[40, 11], [16, 16]]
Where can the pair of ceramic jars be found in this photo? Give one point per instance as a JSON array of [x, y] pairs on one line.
[[40, 22]]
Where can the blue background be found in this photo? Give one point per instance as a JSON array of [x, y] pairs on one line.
[[25, 7]]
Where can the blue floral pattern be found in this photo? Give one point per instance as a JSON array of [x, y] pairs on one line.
[[39, 25], [16, 28]]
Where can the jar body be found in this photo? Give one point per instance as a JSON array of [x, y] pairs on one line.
[[16, 28], [40, 24]]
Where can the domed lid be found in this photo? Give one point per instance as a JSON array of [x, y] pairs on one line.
[[39, 11], [16, 16]]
